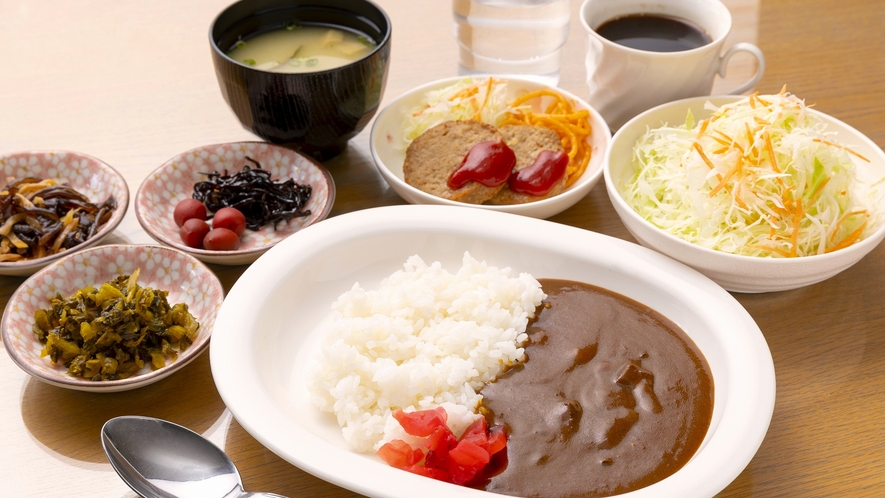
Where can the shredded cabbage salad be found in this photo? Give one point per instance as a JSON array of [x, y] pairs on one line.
[[484, 100], [759, 177]]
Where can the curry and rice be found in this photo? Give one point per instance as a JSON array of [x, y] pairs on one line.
[[572, 372]]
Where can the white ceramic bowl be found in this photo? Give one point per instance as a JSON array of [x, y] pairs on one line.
[[389, 151], [90, 176], [735, 272], [174, 181], [186, 279], [268, 327]]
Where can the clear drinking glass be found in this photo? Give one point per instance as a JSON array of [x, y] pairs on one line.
[[517, 37]]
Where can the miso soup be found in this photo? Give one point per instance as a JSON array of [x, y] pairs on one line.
[[302, 49]]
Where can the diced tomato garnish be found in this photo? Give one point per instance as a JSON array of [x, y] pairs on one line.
[[469, 454], [448, 458], [497, 439], [399, 454], [441, 440], [431, 472], [438, 446], [421, 423], [477, 432]]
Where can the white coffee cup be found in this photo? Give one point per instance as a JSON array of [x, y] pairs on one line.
[[624, 81]]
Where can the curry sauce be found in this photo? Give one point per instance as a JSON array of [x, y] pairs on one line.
[[612, 397]]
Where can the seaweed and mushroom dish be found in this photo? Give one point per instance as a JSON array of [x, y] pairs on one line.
[[43, 217]]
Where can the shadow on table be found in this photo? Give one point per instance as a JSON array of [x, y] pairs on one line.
[[69, 422], [258, 465]]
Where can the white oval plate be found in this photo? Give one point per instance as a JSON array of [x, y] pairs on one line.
[[267, 332]]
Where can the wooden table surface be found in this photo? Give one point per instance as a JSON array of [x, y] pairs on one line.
[[132, 83]]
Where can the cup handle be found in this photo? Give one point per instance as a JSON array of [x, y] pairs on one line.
[[760, 68]]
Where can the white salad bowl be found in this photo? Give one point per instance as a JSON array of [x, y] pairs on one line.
[[389, 150], [271, 321], [738, 273]]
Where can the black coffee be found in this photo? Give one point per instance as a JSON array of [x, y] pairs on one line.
[[654, 33]]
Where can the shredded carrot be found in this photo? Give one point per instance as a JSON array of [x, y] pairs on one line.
[[703, 129], [482, 106], [700, 151], [770, 149], [722, 141], [750, 139], [572, 126], [724, 181], [778, 250], [820, 188], [842, 220], [850, 239], [794, 236], [846, 149]]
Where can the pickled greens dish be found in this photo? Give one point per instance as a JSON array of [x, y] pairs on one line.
[[114, 331], [760, 177]]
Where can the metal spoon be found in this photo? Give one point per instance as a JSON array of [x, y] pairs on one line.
[[159, 459]]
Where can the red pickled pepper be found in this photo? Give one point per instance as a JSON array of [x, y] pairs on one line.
[[539, 178], [449, 459], [489, 163]]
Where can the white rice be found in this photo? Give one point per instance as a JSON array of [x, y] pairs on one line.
[[424, 338]]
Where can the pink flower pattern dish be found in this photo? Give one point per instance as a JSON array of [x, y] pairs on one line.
[[185, 278], [86, 174], [174, 181]]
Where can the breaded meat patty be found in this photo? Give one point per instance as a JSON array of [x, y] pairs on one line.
[[527, 142], [437, 152]]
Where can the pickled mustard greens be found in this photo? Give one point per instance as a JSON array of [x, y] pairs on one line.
[[760, 177], [112, 332]]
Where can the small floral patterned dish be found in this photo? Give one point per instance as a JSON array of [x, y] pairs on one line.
[[186, 279], [86, 174], [174, 181]]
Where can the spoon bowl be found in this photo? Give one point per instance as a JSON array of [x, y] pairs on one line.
[[159, 459]]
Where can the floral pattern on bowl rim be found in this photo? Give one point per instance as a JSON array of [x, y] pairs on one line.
[[185, 278], [86, 174], [174, 181]]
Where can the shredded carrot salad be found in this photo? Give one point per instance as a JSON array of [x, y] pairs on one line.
[[489, 101], [572, 126], [759, 177]]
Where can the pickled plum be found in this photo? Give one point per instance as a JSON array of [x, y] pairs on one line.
[[187, 209], [193, 231], [230, 218], [221, 239]]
